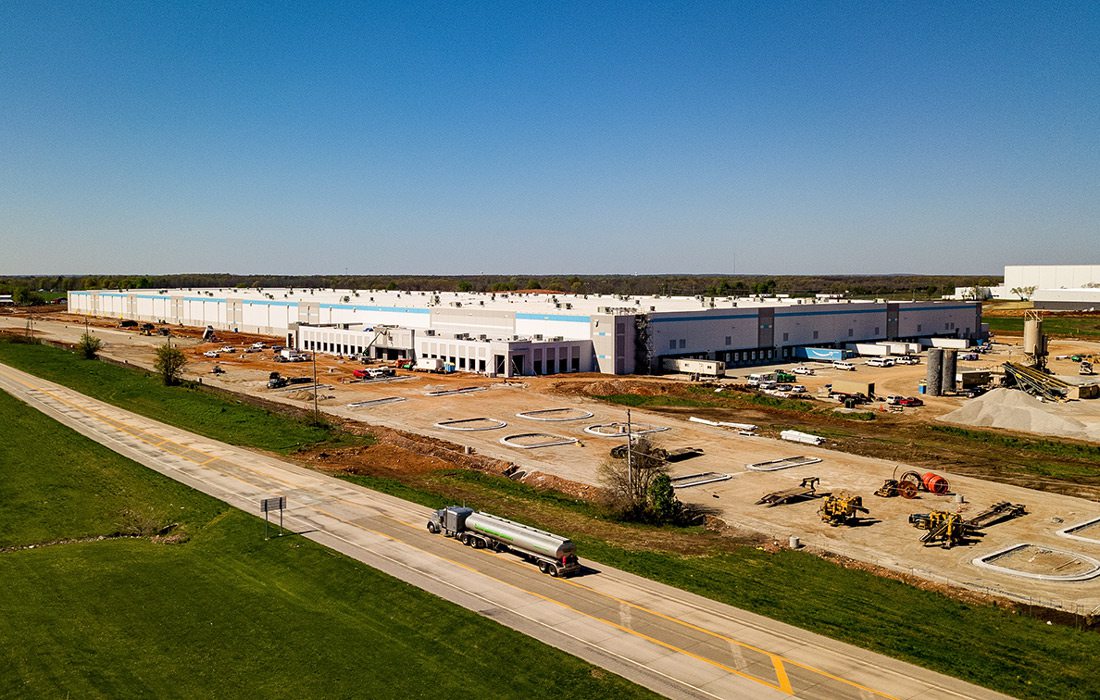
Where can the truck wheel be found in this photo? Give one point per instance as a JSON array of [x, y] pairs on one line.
[[542, 567], [464, 539], [433, 528], [553, 570], [477, 543]]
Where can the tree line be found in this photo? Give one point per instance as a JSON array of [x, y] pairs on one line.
[[36, 289]]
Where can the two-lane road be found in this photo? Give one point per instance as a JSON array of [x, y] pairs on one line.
[[676, 643]]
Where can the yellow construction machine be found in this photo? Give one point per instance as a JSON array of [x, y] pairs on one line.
[[841, 509]]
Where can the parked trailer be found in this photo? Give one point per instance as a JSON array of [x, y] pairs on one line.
[[868, 349], [709, 368], [955, 343], [429, 364], [820, 354], [554, 555]]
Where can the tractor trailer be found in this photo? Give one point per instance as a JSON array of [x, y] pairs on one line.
[[554, 555]]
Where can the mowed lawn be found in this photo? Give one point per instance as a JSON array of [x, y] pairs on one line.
[[214, 415], [222, 613]]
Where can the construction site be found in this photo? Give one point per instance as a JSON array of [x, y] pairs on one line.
[[827, 479]]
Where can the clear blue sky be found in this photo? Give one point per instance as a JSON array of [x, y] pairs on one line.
[[548, 137]]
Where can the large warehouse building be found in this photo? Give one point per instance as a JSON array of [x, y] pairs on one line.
[[1055, 287], [523, 334]]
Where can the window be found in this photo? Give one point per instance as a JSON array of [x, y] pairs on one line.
[[918, 328], [786, 337], [876, 330], [672, 345], [815, 335], [850, 332], [729, 340], [683, 343]]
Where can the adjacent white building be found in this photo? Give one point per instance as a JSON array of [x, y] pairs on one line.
[[1048, 286], [524, 334]]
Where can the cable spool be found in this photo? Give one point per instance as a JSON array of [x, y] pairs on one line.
[[935, 483]]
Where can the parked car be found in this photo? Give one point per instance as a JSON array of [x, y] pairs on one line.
[[893, 400], [259, 345], [226, 348], [880, 362], [969, 357], [910, 401], [907, 360], [797, 389], [846, 366], [803, 369], [211, 353]]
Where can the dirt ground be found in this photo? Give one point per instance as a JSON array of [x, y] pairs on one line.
[[885, 540]]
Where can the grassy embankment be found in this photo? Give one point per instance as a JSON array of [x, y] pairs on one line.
[[223, 612], [1003, 650], [1053, 325], [1049, 464]]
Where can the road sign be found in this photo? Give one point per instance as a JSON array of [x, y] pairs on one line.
[[269, 504]]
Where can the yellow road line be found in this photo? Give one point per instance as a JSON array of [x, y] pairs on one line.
[[603, 620]]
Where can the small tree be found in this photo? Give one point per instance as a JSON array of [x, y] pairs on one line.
[[663, 504], [89, 346], [169, 364], [629, 483]]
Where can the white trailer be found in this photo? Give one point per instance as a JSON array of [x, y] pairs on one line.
[[868, 349], [690, 365], [955, 343], [429, 364]]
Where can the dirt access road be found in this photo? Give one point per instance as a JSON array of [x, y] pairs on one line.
[[414, 404]]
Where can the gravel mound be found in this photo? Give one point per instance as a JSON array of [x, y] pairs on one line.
[[1015, 410]]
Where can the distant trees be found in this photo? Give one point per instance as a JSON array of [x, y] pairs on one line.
[[923, 286], [169, 364]]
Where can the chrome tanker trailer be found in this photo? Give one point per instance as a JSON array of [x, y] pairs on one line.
[[554, 555]]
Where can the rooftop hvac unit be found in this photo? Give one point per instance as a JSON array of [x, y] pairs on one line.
[[429, 331], [482, 337], [557, 338], [538, 336]]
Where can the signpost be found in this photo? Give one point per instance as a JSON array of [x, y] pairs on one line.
[[269, 504]]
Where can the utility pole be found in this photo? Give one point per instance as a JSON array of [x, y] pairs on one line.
[[316, 411], [629, 455]]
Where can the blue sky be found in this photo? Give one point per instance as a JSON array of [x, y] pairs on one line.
[[548, 138]]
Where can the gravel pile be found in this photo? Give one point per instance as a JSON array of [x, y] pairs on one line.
[[1015, 410]]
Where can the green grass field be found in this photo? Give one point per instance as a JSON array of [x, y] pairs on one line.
[[1067, 327], [203, 412], [990, 646], [224, 614]]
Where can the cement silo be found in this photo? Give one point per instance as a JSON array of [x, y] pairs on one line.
[[934, 378], [1035, 343], [950, 366]]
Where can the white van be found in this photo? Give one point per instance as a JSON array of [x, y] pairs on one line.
[[846, 366], [880, 362]]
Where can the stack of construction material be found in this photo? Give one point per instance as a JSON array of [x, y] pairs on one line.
[[805, 438]]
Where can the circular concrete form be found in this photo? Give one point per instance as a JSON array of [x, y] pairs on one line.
[[1040, 562], [556, 414], [529, 441], [471, 424], [619, 429], [376, 402], [450, 392], [1088, 531]]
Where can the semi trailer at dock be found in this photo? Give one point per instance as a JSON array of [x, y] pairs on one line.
[[554, 555]]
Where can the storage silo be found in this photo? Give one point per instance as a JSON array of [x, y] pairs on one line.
[[934, 377], [950, 366]]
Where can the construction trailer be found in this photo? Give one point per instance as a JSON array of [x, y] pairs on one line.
[[686, 365], [853, 388]]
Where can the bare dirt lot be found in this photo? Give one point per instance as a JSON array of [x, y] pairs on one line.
[[858, 456]]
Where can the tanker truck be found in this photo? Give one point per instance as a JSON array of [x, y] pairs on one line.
[[553, 554]]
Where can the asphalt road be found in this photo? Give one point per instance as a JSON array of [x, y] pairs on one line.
[[676, 643]]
